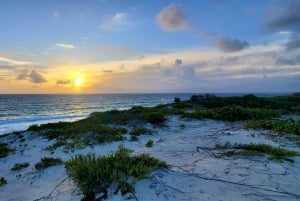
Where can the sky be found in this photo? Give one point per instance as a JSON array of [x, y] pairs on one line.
[[139, 46]]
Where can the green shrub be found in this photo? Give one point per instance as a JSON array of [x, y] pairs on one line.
[[19, 166], [149, 143], [96, 174], [234, 113], [258, 150], [47, 162], [276, 125], [2, 181], [140, 131], [177, 100], [58, 143], [154, 117], [134, 138], [5, 150]]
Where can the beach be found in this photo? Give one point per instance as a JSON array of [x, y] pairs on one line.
[[198, 169]]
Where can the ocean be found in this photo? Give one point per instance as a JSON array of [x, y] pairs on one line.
[[18, 112]]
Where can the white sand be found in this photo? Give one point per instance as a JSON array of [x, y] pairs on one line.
[[196, 174]]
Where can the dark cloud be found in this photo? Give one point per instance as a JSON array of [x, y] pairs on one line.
[[172, 18], [293, 43], [63, 81], [153, 66], [178, 62], [22, 74], [32, 76], [230, 45], [288, 61], [107, 71], [288, 19], [188, 73], [36, 77]]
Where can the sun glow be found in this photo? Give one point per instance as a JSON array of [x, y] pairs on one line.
[[78, 82]]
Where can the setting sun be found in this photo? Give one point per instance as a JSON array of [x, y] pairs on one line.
[[78, 82]]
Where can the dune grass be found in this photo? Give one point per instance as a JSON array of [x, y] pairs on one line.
[[19, 166], [47, 162], [253, 149], [5, 150], [2, 181], [96, 174]]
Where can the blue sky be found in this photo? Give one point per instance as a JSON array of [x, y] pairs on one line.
[[116, 46]]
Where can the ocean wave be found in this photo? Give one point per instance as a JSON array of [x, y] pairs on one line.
[[7, 126]]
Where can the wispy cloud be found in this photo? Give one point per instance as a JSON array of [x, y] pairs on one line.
[[13, 62], [172, 18], [65, 45], [116, 21]]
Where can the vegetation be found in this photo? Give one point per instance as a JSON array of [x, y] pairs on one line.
[[47, 162], [140, 131], [276, 125], [5, 150], [2, 181], [58, 143], [258, 150], [95, 174], [233, 113], [149, 143], [19, 166]]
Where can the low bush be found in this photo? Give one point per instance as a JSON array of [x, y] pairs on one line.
[[95, 174], [19, 166], [134, 138], [149, 143], [258, 150], [5, 150], [154, 117], [234, 113], [47, 162], [140, 131], [2, 181], [276, 125]]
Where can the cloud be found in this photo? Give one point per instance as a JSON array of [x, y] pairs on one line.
[[22, 74], [293, 43], [178, 62], [65, 46], [288, 61], [172, 18], [63, 81], [13, 62], [123, 50], [230, 45], [35, 77], [32, 76], [107, 71], [116, 21], [288, 19]]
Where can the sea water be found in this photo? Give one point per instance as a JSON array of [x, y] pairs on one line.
[[18, 112]]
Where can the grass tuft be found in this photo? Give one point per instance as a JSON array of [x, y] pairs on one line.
[[96, 174], [47, 162], [149, 143], [2, 181], [19, 166], [5, 150]]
